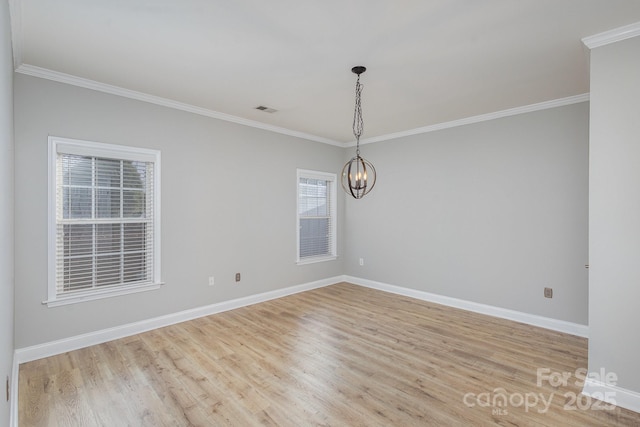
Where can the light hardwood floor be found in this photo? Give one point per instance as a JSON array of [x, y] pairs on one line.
[[336, 356]]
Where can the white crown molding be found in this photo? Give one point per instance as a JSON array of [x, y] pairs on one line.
[[480, 118], [44, 73], [612, 36], [612, 394], [15, 13], [28, 354], [503, 313]]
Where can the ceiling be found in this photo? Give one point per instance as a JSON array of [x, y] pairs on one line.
[[428, 61]]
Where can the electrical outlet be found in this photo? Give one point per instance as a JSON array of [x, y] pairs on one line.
[[361, 261], [211, 281], [237, 277], [548, 292]]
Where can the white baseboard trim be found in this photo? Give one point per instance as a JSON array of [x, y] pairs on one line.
[[52, 348], [612, 394], [504, 313]]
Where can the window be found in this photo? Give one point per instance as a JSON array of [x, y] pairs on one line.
[[316, 216], [104, 223]]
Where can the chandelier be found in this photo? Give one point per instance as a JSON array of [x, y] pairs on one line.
[[358, 175]]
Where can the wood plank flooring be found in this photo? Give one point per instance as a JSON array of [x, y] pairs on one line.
[[342, 355]]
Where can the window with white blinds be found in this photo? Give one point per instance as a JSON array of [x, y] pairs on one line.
[[104, 228], [316, 216]]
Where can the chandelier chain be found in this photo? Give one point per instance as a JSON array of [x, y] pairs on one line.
[[358, 122]]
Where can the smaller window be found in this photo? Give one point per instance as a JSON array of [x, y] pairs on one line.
[[316, 216]]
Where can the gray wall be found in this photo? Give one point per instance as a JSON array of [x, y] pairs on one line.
[[490, 212], [228, 205], [6, 207], [614, 211]]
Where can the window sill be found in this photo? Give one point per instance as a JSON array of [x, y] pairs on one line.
[[313, 260], [100, 294]]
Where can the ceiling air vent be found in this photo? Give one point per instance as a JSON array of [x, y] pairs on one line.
[[266, 109]]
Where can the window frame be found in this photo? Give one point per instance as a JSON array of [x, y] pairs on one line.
[[58, 145], [333, 201]]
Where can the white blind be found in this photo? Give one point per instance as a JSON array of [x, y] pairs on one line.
[[104, 223], [315, 213]]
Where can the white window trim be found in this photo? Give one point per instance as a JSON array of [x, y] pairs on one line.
[[305, 173], [97, 149]]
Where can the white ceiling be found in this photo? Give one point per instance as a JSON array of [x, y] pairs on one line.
[[428, 61]]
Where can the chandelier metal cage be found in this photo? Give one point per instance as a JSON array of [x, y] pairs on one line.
[[358, 174]]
